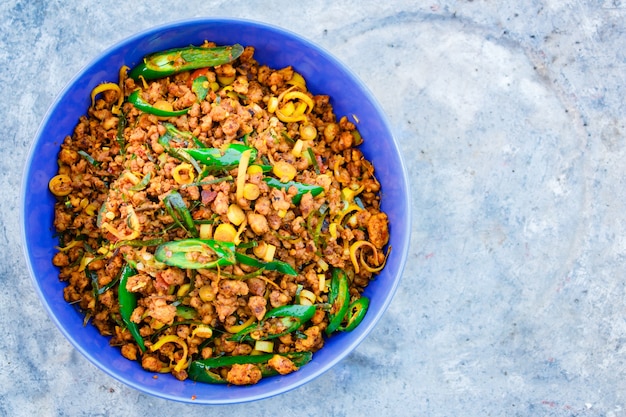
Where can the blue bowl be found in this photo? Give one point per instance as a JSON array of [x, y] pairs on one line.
[[274, 47]]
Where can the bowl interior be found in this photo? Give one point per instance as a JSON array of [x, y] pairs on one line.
[[276, 48]]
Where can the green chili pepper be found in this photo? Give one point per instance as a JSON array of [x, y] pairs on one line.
[[186, 138], [186, 312], [143, 183], [135, 99], [178, 153], [207, 370], [176, 208], [302, 188], [291, 318], [339, 300], [211, 253], [89, 158], [119, 136], [128, 302], [200, 86], [279, 266], [172, 61], [139, 243], [313, 159], [215, 159], [356, 313]]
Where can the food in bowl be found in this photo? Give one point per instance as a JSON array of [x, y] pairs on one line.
[[215, 218]]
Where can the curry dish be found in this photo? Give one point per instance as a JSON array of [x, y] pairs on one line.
[[215, 218]]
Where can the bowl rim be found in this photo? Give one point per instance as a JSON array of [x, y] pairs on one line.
[[168, 26]]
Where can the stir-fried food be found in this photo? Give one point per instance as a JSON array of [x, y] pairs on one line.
[[215, 218]]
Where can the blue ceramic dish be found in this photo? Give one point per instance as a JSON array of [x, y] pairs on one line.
[[274, 47]]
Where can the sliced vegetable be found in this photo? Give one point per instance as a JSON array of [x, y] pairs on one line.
[[215, 159], [176, 207], [172, 61], [128, 302], [196, 253], [136, 100], [279, 266], [60, 185], [356, 313], [301, 188], [207, 370], [339, 299], [182, 362], [200, 87], [186, 312], [291, 318]]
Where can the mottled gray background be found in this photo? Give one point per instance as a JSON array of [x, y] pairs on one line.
[[511, 119]]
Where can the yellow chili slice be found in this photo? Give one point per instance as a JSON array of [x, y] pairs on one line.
[[379, 268], [183, 174], [180, 365], [299, 95], [105, 87], [239, 327], [351, 208], [355, 247], [60, 185], [289, 119], [241, 172]]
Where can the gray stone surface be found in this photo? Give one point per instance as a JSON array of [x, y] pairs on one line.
[[511, 119]]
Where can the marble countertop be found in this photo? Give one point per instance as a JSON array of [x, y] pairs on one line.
[[511, 118]]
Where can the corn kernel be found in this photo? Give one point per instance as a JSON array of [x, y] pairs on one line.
[[183, 290], [254, 169], [251, 191], [284, 171], [206, 293], [225, 232], [235, 214]]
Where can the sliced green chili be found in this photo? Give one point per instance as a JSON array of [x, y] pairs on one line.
[[313, 160], [196, 253], [128, 302], [356, 313], [208, 182], [185, 138], [135, 99], [139, 243], [142, 184], [215, 159], [339, 299], [300, 187], [89, 158], [119, 136], [200, 86], [178, 153], [291, 317], [175, 206], [279, 266], [172, 61], [186, 312], [207, 370]]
